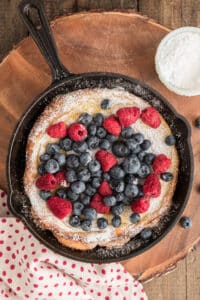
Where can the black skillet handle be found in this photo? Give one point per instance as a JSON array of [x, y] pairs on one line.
[[43, 37]]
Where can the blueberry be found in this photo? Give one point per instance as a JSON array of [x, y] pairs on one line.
[[93, 142], [61, 158], [94, 166], [66, 144], [97, 174], [52, 166], [80, 147], [149, 158], [44, 157], [197, 122], [41, 169], [145, 145], [71, 175], [139, 138], [52, 148], [90, 213], [133, 146], [90, 190], [72, 161], [92, 129], [86, 224], [106, 176], [104, 144], [136, 150], [77, 208], [135, 218], [120, 149], [85, 199], [102, 223], [84, 175], [116, 221], [167, 176], [117, 172], [170, 140], [78, 187], [131, 190], [130, 178], [111, 138], [101, 132], [117, 209], [127, 132], [85, 158], [85, 118], [118, 186], [72, 196], [96, 182], [186, 222], [132, 143], [146, 233], [105, 104], [110, 200], [61, 193], [131, 165], [143, 171], [74, 221], [44, 194], [141, 155], [98, 119], [120, 197]]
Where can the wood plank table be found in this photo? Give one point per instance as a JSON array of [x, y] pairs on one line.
[[170, 13]]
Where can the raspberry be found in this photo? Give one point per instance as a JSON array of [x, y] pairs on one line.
[[151, 117], [106, 159], [128, 115], [104, 189], [60, 177], [99, 205], [77, 132], [58, 130], [46, 182], [60, 207], [152, 186], [161, 163], [140, 205], [112, 125]]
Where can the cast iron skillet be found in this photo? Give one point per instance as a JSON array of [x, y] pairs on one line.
[[65, 82]]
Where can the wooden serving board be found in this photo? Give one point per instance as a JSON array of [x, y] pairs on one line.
[[122, 42]]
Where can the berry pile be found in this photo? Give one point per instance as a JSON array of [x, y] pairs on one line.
[[100, 165]]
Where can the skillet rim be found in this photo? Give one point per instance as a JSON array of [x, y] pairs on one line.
[[52, 88]]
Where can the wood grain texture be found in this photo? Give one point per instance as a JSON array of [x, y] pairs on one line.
[[12, 29], [181, 284], [26, 74], [169, 13], [170, 286], [172, 14], [193, 275]]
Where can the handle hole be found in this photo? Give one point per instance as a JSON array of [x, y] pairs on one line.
[[34, 15]]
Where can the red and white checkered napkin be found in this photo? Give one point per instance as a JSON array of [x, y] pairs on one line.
[[29, 270]]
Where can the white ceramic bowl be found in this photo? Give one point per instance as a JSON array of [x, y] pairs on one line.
[[167, 42]]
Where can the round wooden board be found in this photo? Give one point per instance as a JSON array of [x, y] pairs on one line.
[[120, 42]]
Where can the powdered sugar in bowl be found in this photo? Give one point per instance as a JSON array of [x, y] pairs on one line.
[[177, 61]]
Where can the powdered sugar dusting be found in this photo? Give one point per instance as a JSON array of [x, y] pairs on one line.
[[67, 108]]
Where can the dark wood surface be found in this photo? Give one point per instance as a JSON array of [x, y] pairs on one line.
[[184, 282]]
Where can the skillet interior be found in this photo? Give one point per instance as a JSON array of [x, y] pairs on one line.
[[19, 204]]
